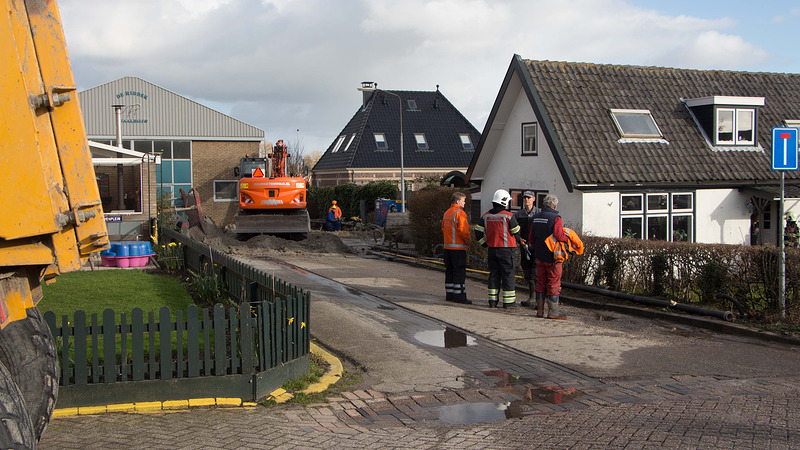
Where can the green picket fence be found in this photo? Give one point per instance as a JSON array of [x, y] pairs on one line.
[[245, 351]]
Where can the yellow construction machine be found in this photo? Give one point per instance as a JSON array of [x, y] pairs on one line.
[[51, 218]]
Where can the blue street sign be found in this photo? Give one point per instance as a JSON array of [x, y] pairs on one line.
[[784, 149]]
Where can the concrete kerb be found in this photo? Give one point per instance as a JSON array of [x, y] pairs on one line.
[[332, 375], [688, 319]]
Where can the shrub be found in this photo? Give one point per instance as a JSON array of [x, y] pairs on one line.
[[347, 196]]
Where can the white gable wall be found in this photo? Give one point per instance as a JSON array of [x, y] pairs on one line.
[[601, 214], [722, 217], [507, 169]]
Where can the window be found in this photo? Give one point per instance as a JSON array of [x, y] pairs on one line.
[[350, 142], [466, 142], [422, 144], [516, 198], [380, 141], [657, 216], [735, 126], [338, 144], [175, 171], [530, 139], [635, 123], [412, 104], [226, 190]]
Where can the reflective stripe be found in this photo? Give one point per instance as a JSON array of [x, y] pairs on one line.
[[509, 296]]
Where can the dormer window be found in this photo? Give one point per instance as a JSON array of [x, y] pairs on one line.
[[728, 122], [635, 124]]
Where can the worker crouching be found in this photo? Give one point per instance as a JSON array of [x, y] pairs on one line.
[[498, 230]]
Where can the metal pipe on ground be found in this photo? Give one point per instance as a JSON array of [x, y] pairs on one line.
[[724, 315]]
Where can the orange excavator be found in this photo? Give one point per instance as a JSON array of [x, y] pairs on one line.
[[274, 204]]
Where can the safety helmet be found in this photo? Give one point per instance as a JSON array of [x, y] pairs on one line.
[[334, 202], [501, 197]]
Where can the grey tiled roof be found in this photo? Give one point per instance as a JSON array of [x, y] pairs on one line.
[[434, 116], [574, 101]]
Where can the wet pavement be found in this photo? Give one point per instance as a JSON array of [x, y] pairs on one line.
[[440, 375]]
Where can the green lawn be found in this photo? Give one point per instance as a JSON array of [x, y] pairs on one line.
[[120, 290]]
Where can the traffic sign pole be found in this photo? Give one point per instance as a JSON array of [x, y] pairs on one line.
[[786, 138]]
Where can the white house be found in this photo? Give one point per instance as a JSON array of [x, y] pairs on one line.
[[644, 152]]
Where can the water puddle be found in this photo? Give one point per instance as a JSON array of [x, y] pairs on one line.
[[532, 391], [446, 338], [478, 412]]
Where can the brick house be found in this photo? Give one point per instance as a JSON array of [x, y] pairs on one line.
[[198, 147], [437, 139]]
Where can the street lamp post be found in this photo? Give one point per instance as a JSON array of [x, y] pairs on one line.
[[369, 86]]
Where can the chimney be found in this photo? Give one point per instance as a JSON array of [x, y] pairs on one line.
[[367, 89]]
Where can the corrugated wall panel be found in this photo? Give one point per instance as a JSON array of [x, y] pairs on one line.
[[150, 111]]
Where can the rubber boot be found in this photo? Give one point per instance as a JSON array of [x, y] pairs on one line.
[[540, 304], [493, 303], [512, 305], [553, 313], [531, 294]]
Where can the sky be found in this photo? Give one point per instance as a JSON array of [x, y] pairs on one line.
[[289, 65]]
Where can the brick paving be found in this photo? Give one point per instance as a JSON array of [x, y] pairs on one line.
[[686, 412]]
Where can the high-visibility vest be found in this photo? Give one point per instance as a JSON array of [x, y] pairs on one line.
[[563, 250], [455, 229], [498, 232]]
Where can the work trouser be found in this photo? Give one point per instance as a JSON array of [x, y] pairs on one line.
[[528, 265], [455, 275], [548, 277], [502, 271]]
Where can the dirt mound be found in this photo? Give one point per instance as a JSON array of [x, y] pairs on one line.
[[226, 241]]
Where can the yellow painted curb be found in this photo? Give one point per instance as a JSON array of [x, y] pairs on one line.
[[87, 410], [229, 402], [332, 376], [147, 406], [202, 402], [175, 404], [65, 412], [121, 407]]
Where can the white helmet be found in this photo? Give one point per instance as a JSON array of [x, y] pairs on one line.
[[501, 197]]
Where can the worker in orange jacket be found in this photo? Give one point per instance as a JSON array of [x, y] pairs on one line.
[[546, 225], [334, 217], [456, 242]]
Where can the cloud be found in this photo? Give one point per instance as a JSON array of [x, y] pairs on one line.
[[281, 65]]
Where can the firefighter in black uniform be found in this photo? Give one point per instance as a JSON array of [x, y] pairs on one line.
[[526, 261], [498, 230]]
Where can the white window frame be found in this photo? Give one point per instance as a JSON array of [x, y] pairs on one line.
[[635, 112], [646, 213], [526, 139], [339, 141], [735, 125], [422, 143], [466, 141], [380, 141], [235, 191]]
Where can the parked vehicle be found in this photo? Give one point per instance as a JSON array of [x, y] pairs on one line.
[[52, 218]]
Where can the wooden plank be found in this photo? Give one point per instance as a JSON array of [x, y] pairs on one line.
[[220, 353], [206, 343], [193, 341], [165, 343], [123, 345], [137, 344], [109, 347], [151, 343], [246, 338], [95, 332], [180, 328], [81, 376], [233, 317]]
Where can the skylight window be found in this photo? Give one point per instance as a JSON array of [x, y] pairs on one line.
[[380, 141], [338, 144], [635, 123], [466, 142], [422, 144], [412, 104], [350, 142]]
